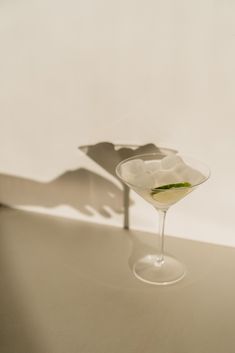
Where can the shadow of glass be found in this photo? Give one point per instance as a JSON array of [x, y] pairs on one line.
[[85, 191], [108, 155], [82, 189]]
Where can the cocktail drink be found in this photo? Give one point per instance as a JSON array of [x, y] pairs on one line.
[[162, 180]]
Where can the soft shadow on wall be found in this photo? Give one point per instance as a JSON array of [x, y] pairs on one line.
[[84, 190]]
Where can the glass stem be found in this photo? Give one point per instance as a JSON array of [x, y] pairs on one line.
[[162, 217]]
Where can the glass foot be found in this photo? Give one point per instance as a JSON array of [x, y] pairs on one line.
[[150, 270]]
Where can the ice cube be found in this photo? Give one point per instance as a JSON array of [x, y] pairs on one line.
[[152, 166], [143, 180], [164, 177], [171, 161], [189, 174], [132, 169], [135, 172], [135, 166]]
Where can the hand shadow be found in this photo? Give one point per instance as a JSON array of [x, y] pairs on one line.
[[82, 189]]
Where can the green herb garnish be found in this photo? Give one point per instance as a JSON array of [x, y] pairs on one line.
[[170, 186]]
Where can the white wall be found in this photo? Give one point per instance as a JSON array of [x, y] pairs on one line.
[[79, 72]]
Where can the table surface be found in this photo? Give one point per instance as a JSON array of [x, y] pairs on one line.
[[67, 287]]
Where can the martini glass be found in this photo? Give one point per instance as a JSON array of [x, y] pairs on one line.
[[162, 179]]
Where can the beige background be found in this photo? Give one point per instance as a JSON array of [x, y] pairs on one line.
[[79, 72]]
